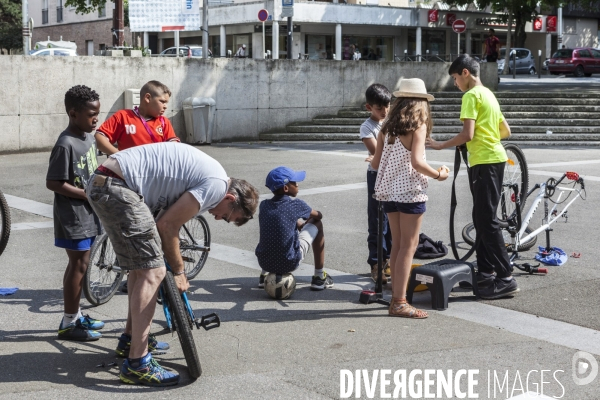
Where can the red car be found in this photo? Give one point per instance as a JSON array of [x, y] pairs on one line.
[[581, 61]]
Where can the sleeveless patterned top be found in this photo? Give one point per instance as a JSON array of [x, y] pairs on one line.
[[397, 180]]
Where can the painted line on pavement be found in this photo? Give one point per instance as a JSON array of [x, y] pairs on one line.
[[31, 225], [539, 328], [31, 206]]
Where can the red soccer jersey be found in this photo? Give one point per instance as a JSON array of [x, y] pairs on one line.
[[127, 130]]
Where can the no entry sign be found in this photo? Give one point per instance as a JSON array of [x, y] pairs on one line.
[[459, 26], [263, 15]]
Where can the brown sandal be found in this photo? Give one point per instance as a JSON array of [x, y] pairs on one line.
[[400, 308]]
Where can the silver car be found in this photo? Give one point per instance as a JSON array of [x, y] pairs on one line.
[[525, 61], [188, 50]]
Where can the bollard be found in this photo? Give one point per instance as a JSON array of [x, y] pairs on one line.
[[539, 64], [514, 53]]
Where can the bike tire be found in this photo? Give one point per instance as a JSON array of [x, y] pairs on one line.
[[194, 232], [183, 325], [101, 281], [469, 235], [4, 223], [515, 171]]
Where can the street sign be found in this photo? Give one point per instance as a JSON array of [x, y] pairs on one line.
[[287, 12], [459, 26], [263, 15], [287, 3]]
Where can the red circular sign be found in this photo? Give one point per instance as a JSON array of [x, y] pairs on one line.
[[459, 26], [263, 15]]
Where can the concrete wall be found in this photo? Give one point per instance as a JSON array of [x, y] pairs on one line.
[[252, 96]]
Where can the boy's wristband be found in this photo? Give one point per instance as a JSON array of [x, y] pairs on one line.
[[179, 273], [439, 174]]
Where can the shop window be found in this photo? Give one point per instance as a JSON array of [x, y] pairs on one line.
[[371, 48], [319, 47]]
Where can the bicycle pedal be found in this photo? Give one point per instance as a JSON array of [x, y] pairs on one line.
[[188, 259], [209, 322]]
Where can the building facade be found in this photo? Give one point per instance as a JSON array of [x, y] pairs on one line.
[[380, 30], [91, 32]]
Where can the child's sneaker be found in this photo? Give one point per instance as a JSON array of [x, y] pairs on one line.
[[319, 283], [384, 279], [78, 332], [147, 372], [261, 280], [124, 345], [91, 323], [387, 271]]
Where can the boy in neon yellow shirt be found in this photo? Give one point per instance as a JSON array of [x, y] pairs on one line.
[[483, 128]]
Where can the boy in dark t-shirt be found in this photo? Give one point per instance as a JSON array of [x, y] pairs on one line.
[[288, 228], [72, 161]]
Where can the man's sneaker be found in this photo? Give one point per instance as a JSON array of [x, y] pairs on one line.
[[147, 372], [91, 323], [124, 287], [261, 280], [483, 280], [76, 331], [124, 345], [498, 289], [318, 283], [384, 279]]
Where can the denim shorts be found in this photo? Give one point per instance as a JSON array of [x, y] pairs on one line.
[[128, 222], [75, 244], [405, 208]]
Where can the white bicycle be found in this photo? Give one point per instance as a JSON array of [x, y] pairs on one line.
[[517, 228]]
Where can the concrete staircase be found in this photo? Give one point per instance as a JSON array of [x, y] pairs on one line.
[[572, 118]]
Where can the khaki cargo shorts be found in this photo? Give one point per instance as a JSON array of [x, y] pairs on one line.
[[128, 222]]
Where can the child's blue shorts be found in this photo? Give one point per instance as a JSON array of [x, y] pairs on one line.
[[406, 208], [75, 244]]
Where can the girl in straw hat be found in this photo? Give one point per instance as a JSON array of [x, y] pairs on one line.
[[402, 182]]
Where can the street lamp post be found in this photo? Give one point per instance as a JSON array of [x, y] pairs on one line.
[[26, 32]]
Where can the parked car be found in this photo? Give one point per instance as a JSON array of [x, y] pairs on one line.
[[53, 51], [580, 61], [525, 61], [188, 50]]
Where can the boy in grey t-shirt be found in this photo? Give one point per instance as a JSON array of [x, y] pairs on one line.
[[72, 161], [378, 104]]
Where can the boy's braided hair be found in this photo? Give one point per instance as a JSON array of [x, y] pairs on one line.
[[78, 96]]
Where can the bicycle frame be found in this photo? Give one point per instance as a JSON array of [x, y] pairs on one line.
[[207, 322], [549, 217]]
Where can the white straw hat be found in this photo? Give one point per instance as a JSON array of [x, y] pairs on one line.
[[414, 87]]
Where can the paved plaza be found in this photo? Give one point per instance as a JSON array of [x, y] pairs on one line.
[[316, 345]]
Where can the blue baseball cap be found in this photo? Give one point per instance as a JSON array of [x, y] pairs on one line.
[[281, 176]]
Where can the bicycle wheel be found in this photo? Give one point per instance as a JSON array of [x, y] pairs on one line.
[[469, 235], [515, 172], [4, 223], [103, 275], [183, 325], [194, 244]]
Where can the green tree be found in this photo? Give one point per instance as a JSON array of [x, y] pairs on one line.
[[11, 35], [86, 7]]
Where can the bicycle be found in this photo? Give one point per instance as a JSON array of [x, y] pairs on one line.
[[103, 276], [516, 175], [518, 227], [180, 317], [4, 222]]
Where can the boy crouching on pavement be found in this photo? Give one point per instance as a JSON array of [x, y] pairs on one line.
[[288, 227], [72, 161]]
